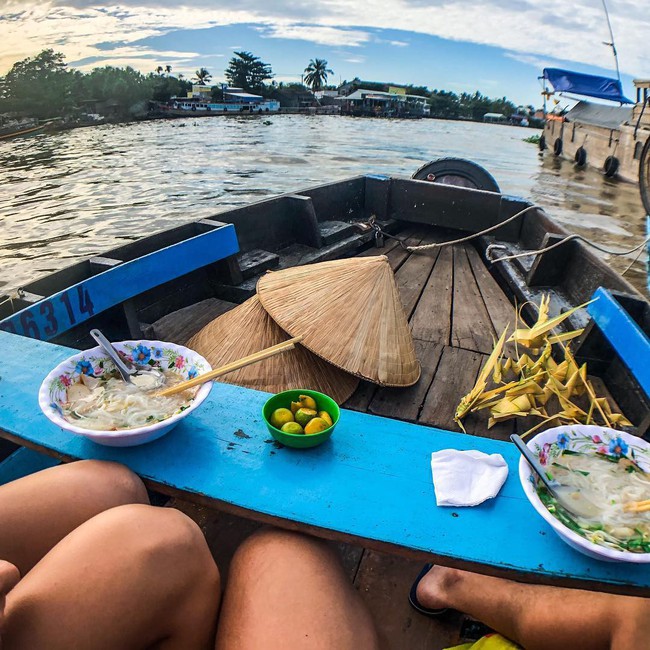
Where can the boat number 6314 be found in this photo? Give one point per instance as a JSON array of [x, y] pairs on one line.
[[49, 317]]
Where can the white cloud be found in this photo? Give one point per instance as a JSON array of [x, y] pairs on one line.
[[553, 29], [316, 34]]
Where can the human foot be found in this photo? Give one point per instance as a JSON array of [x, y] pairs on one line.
[[432, 589]]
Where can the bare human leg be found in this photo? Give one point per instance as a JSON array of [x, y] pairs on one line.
[[539, 617], [38, 511], [132, 577], [289, 591]]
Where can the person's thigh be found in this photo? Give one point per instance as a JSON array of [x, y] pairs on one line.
[[289, 591], [132, 577], [38, 511]]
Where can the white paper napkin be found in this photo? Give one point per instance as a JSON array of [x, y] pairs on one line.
[[466, 478]]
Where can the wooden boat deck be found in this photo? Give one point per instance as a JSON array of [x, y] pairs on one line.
[[456, 310]]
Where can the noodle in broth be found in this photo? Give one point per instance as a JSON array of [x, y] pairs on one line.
[[609, 484], [110, 404]]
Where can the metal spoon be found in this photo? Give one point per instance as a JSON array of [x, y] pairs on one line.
[[569, 497], [137, 374]]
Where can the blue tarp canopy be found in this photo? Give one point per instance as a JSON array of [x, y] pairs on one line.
[[588, 85]]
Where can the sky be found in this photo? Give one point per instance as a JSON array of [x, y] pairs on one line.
[[495, 46]]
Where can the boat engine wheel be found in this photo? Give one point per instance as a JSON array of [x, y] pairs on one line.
[[459, 172], [644, 176]]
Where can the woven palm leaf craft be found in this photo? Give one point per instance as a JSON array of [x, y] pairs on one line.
[[247, 329], [349, 313]]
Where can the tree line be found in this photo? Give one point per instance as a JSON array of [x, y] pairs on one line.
[[43, 87]]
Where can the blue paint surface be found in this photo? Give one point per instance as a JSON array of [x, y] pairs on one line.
[[372, 480], [626, 337], [76, 304], [24, 462]]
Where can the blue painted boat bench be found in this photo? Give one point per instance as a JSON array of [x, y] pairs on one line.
[[370, 484]]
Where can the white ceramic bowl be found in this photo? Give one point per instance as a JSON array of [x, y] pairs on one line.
[[584, 438], [158, 354]]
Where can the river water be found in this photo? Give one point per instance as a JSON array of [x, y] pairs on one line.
[[71, 195]]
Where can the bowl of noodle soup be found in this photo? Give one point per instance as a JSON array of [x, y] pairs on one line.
[[85, 395], [612, 470]]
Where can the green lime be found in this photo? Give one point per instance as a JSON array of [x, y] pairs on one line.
[[292, 427], [303, 415], [280, 417]]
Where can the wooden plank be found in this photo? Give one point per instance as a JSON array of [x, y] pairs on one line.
[[405, 403], [431, 320], [370, 484], [179, 326], [476, 424], [500, 310], [361, 397], [471, 327], [455, 376], [397, 256], [448, 206], [413, 275], [384, 582], [76, 304], [389, 244]]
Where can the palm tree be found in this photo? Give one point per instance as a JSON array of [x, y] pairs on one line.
[[159, 69], [316, 73], [202, 76], [168, 69]]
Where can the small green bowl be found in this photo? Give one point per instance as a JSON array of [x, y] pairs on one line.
[[300, 440]]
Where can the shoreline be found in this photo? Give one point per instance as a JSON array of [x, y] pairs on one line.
[[307, 112]]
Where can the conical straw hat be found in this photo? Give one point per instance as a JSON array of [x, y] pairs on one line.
[[247, 329], [349, 313]]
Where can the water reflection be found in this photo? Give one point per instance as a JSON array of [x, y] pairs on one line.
[[71, 195]]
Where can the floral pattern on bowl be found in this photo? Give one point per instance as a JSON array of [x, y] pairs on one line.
[[94, 363], [607, 443]]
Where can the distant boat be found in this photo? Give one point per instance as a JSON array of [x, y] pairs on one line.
[[235, 100], [613, 139], [23, 132]]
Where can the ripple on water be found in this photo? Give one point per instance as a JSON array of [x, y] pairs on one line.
[[74, 194]]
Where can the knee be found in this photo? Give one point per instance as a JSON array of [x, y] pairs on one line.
[[269, 545], [167, 539], [117, 482]]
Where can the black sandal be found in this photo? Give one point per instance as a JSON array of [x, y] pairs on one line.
[[413, 598]]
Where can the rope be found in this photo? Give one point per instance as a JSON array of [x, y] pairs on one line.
[[426, 247], [560, 243], [633, 262]]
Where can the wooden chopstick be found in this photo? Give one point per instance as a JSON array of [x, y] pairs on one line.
[[637, 506], [231, 367]]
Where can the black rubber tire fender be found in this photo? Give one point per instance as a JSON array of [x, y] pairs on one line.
[[459, 172], [542, 142], [581, 157], [558, 146], [611, 166], [644, 176]]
